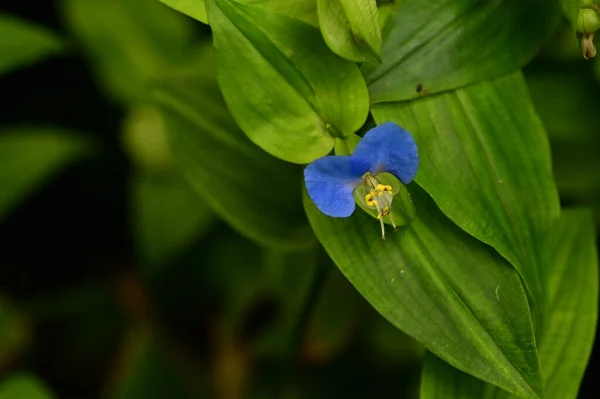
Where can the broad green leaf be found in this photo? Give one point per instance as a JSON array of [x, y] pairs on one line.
[[129, 42], [287, 91], [194, 8], [23, 43], [351, 28], [439, 380], [568, 335], [254, 192], [448, 44], [304, 10], [572, 289], [23, 385], [30, 156], [441, 286], [571, 10], [485, 160], [168, 217]]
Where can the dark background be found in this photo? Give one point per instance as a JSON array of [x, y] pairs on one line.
[[66, 253]]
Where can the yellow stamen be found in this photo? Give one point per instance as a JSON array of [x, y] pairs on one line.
[[369, 199], [384, 212]]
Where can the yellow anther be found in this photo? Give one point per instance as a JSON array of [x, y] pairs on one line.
[[381, 188], [369, 199], [384, 212]]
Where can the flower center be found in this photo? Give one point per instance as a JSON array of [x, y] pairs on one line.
[[380, 197]]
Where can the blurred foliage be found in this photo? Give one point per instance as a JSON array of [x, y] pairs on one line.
[[152, 245]]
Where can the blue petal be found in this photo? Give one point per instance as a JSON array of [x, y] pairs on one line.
[[389, 148], [330, 182]]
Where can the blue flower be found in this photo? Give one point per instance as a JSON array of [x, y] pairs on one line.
[[331, 180]]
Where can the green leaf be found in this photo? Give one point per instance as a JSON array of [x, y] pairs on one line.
[[448, 44], [129, 42], [254, 192], [485, 160], [23, 385], [168, 217], [346, 145], [572, 291], [568, 335], [351, 28], [194, 8], [571, 10], [30, 156], [23, 43], [442, 287], [304, 10], [288, 92]]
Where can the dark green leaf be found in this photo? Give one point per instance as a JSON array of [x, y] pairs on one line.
[[351, 28], [288, 92], [23, 43], [30, 156], [129, 42], [571, 282], [441, 286], [568, 334], [485, 160], [256, 193], [448, 44], [571, 10], [168, 216], [23, 385]]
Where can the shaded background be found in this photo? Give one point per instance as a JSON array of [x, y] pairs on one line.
[[98, 299]]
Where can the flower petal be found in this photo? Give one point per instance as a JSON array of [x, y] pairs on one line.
[[330, 182], [389, 148]]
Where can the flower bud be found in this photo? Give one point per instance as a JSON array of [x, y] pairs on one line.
[[588, 21]]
